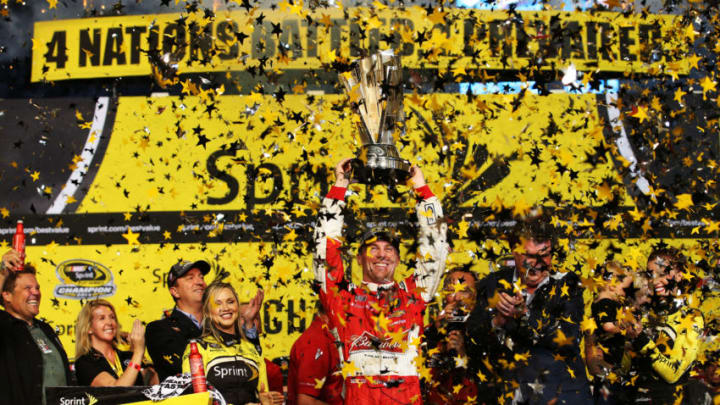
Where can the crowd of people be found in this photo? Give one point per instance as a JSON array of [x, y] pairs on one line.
[[519, 335]]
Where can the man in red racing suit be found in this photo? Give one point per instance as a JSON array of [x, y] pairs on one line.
[[379, 323]]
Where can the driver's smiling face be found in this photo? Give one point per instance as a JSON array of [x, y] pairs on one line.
[[378, 261], [533, 260]]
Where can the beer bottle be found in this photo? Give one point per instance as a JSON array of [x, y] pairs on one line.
[[19, 243], [197, 370]]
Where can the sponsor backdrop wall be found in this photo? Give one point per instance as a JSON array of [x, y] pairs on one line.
[[115, 190], [238, 189]]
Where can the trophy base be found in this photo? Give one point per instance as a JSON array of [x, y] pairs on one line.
[[389, 171]]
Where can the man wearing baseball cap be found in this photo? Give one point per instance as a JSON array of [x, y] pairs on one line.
[[379, 323], [167, 338]]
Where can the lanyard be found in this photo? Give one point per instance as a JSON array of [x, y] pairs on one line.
[[117, 366]]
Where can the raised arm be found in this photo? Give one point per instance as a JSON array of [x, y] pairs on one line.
[[433, 247], [328, 265]]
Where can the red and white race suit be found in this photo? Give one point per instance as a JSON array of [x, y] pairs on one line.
[[379, 326]]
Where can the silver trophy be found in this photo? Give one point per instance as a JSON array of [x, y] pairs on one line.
[[375, 89]]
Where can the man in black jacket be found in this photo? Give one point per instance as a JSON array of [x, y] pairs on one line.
[[524, 333], [167, 338], [31, 355]]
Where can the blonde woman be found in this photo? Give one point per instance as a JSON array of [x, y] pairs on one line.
[[667, 348], [232, 363], [98, 361]]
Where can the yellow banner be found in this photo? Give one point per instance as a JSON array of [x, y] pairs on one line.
[[216, 154], [138, 271], [252, 152], [137, 284], [460, 40]]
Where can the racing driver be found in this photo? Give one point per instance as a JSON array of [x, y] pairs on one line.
[[379, 323]]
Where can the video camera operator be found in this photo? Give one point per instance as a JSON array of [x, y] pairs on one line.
[[447, 357]]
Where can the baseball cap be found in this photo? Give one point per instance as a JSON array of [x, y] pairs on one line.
[[379, 233], [181, 268]]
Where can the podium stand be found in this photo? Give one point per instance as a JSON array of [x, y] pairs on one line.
[[202, 398], [115, 396]]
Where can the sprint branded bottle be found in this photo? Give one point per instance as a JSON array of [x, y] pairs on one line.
[[19, 243], [197, 370]]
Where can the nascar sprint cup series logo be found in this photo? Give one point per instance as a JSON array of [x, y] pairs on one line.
[[84, 279]]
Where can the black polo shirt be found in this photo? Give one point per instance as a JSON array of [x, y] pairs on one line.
[[90, 364]]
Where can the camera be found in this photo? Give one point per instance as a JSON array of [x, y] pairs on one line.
[[457, 320]]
